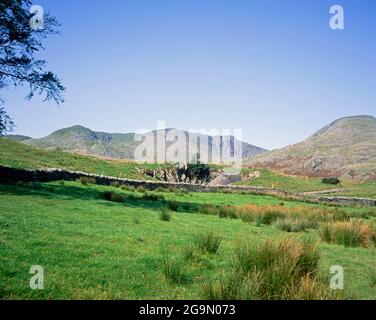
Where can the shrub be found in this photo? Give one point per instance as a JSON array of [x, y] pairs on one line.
[[173, 205], [334, 181], [199, 170], [112, 196], [272, 270], [349, 233], [86, 180], [172, 269], [208, 242], [62, 182], [165, 215]]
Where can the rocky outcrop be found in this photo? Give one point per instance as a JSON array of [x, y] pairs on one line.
[[180, 173], [224, 180]]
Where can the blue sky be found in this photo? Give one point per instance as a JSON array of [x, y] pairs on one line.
[[271, 68]]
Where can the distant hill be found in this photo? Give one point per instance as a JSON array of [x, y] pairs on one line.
[[17, 137], [110, 145], [346, 148]]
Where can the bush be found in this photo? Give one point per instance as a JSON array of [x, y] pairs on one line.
[[208, 242], [199, 170], [112, 196], [349, 234], [173, 205], [333, 181], [173, 269], [165, 215], [62, 182], [273, 270], [87, 180]]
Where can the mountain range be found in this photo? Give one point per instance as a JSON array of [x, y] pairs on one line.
[[345, 148], [121, 145]]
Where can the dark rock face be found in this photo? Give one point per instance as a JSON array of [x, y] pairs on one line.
[[189, 173]]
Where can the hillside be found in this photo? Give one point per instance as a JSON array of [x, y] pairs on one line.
[[18, 155], [112, 145], [345, 148]]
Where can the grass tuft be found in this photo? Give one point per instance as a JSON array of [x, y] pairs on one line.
[[208, 242], [173, 270], [273, 270], [165, 215], [349, 233]]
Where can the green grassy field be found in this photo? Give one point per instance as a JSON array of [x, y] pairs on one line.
[[95, 249], [301, 184]]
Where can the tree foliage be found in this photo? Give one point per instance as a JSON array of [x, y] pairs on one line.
[[19, 44]]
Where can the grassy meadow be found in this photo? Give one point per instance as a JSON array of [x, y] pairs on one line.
[[93, 248], [269, 179], [118, 242]]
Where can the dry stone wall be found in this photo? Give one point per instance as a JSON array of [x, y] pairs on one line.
[[12, 175]]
